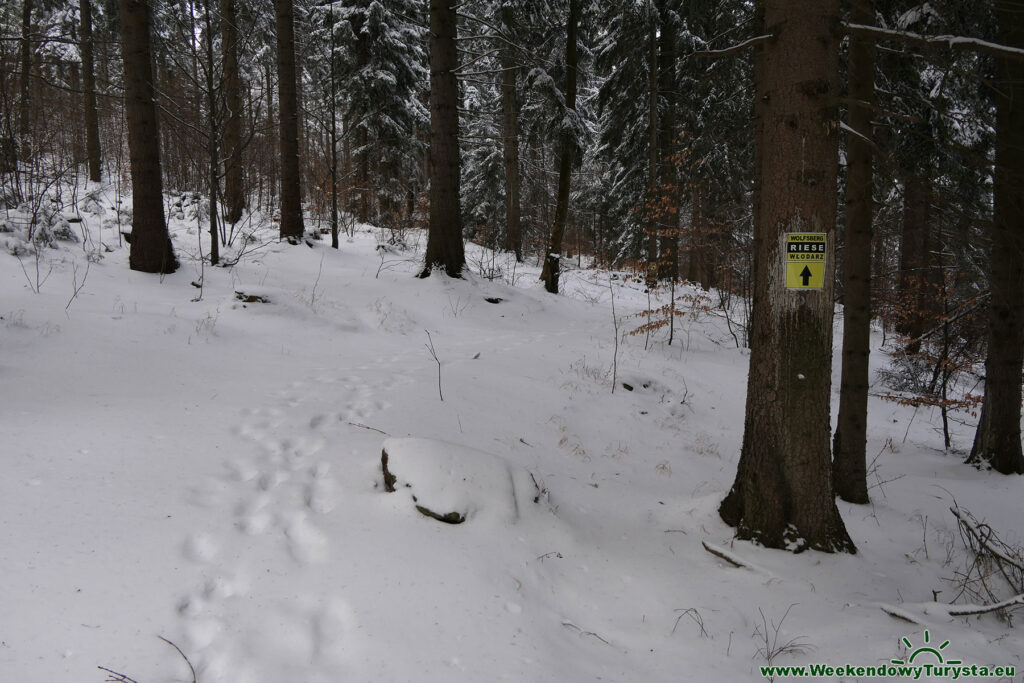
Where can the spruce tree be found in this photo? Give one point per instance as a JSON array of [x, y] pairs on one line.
[[381, 76], [151, 249], [292, 226], [783, 495]]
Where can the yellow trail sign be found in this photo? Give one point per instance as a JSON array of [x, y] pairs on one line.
[[805, 260]]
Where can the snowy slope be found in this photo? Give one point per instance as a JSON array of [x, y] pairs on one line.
[[209, 471]]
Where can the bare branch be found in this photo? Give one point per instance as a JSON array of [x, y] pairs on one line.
[[902, 615], [190, 667], [733, 49], [725, 555], [949, 42], [433, 353]]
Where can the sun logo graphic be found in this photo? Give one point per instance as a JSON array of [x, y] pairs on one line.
[[926, 649]]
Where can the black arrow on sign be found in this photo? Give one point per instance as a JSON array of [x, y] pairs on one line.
[[806, 275]]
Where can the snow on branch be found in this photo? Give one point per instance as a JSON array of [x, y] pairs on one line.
[[732, 558], [732, 49], [969, 610], [983, 537], [941, 609], [949, 42], [901, 614], [996, 566]]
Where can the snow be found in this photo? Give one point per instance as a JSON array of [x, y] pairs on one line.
[[209, 471], [950, 41]]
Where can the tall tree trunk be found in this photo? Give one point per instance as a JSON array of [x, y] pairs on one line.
[[651, 208], [25, 59], [782, 496], [288, 103], [668, 263], [212, 147], [151, 249], [915, 292], [272, 179], [8, 158], [444, 238], [362, 60], [364, 176], [997, 443], [92, 125], [234, 182], [346, 162], [698, 221], [510, 141], [550, 272], [332, 138], [703, 266], [849, 468]]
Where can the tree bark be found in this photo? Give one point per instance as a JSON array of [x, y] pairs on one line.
[[234, 182], [653, 187], [444, 239], [272, 176], [510, 141], [916, 297], [92, 126], [695, 268], [332, 138], [668, 238], [783, 496], [363, 58], [550, 272], [151, 249], [364, 176], [849, 468], [212, 148], [997, 443], [25, 59], [292, 226]]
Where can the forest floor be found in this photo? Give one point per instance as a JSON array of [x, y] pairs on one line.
[[181, 463]]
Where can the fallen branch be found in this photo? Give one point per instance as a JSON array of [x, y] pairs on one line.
[[970, 610], [190, 667], [115, 677], [972, 527], [724, 554], [372, 429], [902, 615], [946, 610], [118, 677], [996, 569], [569, 624]]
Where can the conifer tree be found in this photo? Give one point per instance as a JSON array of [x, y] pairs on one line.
[[382, 75], [91, 113], [292, 226], [151, 249], [997, 443], [783, 495], [444, 239], [849, 466], [552, 260], [234, 189]]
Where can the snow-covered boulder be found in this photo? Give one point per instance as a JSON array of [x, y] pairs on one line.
[[455, 484]]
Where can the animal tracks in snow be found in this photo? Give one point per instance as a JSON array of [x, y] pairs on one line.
[[306, 543], [277, 490]]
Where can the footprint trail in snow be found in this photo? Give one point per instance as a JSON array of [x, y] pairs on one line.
[[238, 625]]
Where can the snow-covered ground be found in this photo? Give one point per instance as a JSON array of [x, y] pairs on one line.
[[180, 463]]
